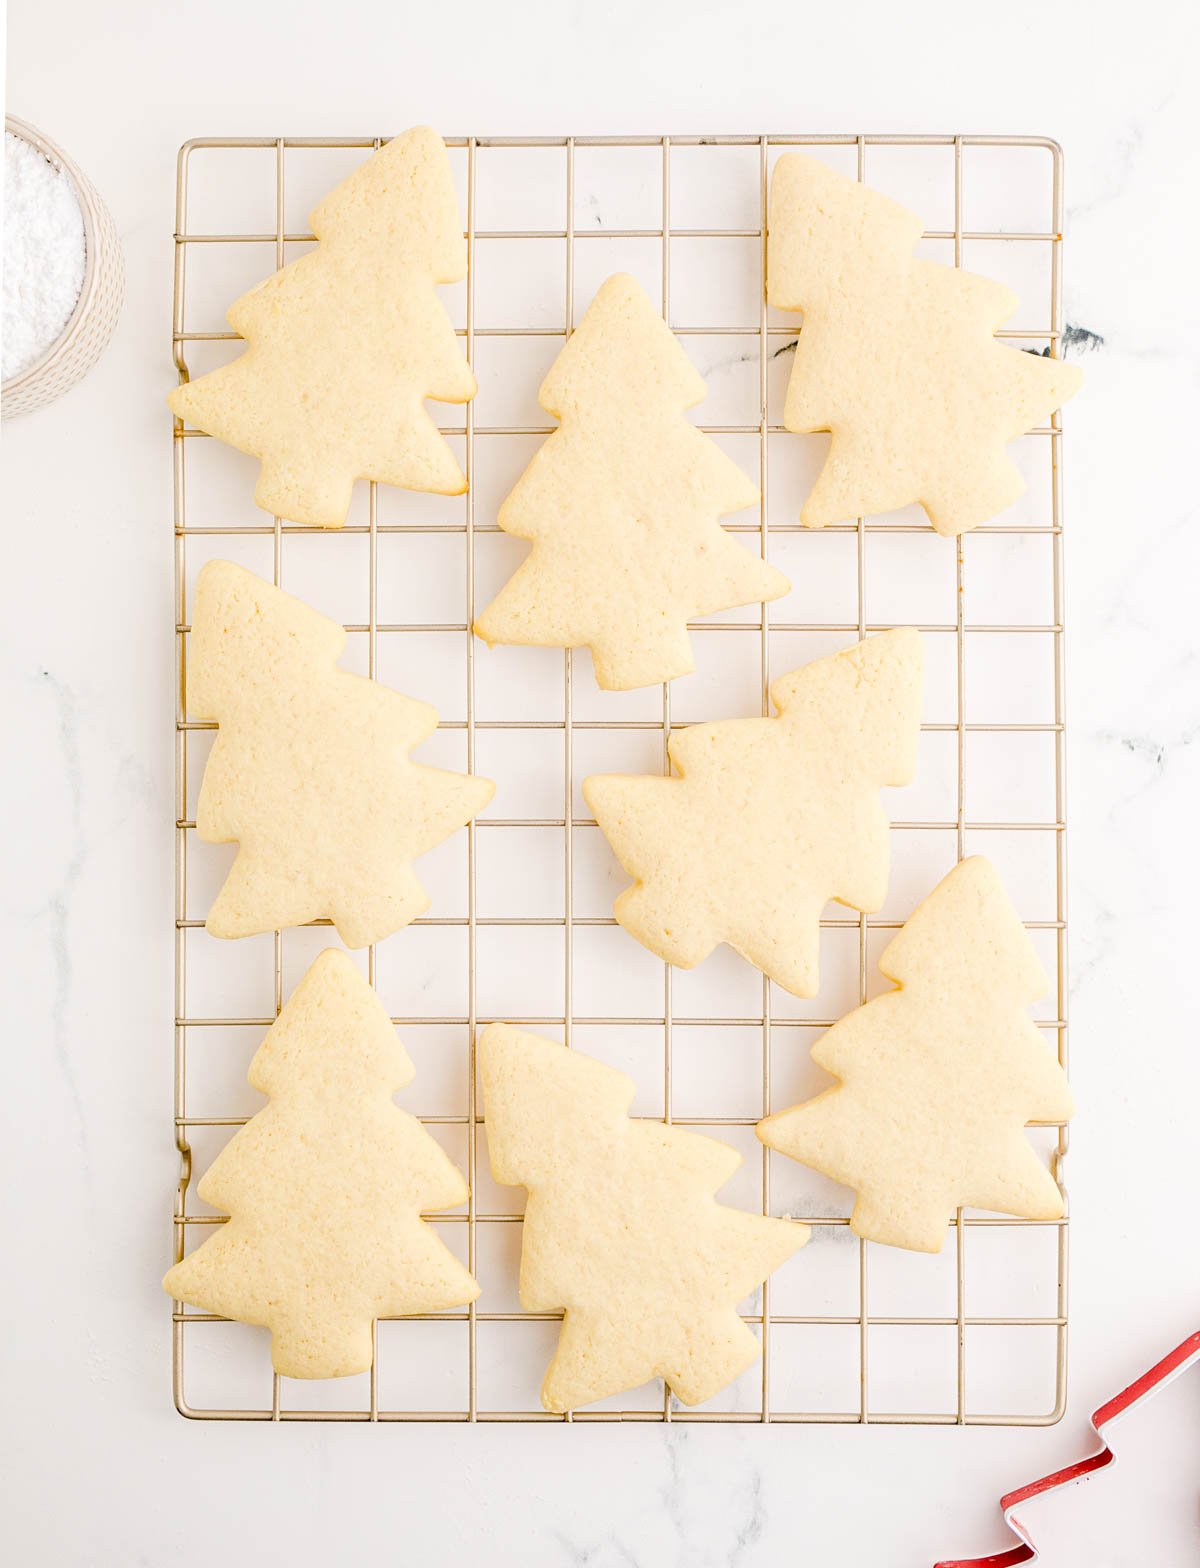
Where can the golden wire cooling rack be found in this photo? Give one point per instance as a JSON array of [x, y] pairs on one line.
[[851, 1332]]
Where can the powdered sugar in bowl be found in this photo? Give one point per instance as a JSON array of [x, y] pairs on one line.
[[64, 274]]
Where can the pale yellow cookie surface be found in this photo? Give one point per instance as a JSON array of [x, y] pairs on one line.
[[938, 1078], [345, 344], [622, 505], [772, 817], [309, 772], [325, 1188], [897, 357], [622, 1230]]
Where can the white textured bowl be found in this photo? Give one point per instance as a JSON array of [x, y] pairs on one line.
[[86, 334]]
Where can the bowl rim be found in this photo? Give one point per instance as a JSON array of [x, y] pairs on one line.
[[54, 154]]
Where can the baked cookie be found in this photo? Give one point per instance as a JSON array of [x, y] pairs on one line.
[[939, 1077], [345, 344], [622, 1231], [325, 1188], [772, 817], [898, 358], [622, 503], [310, 773]]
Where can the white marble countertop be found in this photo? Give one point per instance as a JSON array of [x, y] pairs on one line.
[[101, 1468]]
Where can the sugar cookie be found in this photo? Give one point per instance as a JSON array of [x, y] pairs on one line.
[[939, 1077], [898, 358], [325, 1188], [772, 817], [345, 344], [310, 772], [622, 1230], [622, 503]]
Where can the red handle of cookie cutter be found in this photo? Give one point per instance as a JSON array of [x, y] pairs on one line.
[[1171, 1365]]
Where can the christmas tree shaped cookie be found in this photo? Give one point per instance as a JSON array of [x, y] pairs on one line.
[[622, 1231], [622, 505], [898, 358], [325, 1188], [939, 1077], [310, 771], [346, 343], [771, 818]]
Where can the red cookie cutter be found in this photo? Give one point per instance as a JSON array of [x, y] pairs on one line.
[[1170, 1367]]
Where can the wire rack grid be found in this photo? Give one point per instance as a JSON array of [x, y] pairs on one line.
[[944, 1349]]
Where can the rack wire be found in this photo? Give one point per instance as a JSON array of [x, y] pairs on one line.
[[774, 1392]]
